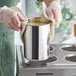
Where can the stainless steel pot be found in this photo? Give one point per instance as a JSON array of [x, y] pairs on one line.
[[36, 35]]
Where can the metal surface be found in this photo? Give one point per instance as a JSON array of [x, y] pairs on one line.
[[69, 47], [42, 62], [60, 67], [71, 58], [36, 37], [60, 55], [47, 72]]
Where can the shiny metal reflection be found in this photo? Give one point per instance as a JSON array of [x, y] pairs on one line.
[[36, 38], [71, 48], [43, 62], [71, 58]]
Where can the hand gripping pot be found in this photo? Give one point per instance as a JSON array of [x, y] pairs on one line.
[[36, 35]]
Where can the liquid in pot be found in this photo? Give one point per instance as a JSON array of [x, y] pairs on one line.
[[39, 21]]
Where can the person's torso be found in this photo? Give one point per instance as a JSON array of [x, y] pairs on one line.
[[8, 3], [7, 52]]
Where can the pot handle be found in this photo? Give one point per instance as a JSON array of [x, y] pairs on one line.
[[52, 30], [23, 29]]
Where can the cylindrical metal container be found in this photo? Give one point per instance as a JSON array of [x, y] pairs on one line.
[[36, 37]]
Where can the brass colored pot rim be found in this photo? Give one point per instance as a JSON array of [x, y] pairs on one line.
[[39, 21]]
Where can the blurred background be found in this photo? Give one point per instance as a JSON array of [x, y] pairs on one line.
[[65, 31]]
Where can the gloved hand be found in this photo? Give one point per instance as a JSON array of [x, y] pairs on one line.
[[54, 12], [11, 18]]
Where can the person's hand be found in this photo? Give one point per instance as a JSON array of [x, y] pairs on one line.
[[11, 18], [54, 12]]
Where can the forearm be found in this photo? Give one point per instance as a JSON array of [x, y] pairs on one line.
[[53, 11], [47, 2], [3, 12]]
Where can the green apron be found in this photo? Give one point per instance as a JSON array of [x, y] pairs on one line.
[[7, 47]]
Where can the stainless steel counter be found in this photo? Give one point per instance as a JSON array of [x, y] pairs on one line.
[[60, 67]]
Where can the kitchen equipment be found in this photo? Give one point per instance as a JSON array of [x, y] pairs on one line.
[[69, 47], [71, 58], [36, 35], [60, 67]]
